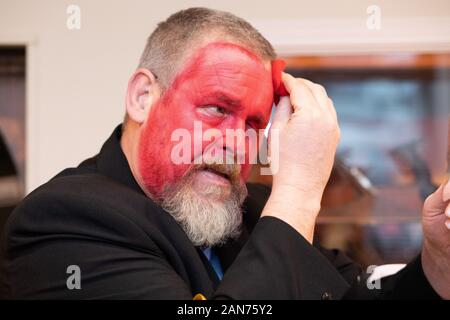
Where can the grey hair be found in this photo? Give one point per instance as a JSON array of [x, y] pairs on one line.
[[173, 38]]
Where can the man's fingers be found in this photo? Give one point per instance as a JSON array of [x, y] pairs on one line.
[[305, 93], [434, 204], [332, 109], [447, 211], [446, 191], [282, 114], [300, 95], [321, 96], [447, 214]]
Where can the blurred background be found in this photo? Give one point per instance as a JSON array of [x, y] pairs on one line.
[[64, 67]]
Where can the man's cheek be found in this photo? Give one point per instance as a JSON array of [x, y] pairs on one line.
[[157, 169]]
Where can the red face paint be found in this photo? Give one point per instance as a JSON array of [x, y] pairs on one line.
[[220, 74], [279, 90]]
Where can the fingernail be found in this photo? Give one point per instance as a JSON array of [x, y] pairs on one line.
[[446, 192], [447, 224]]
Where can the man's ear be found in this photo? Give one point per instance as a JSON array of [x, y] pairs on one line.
[[142, 93]]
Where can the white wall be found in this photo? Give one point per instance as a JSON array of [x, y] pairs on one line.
[[77, 79]]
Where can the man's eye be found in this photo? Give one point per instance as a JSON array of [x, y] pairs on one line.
[[213, 111]]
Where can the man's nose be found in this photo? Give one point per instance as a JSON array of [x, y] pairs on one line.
[[235, 143]]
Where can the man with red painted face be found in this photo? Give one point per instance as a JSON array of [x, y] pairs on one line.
[[134, 222]]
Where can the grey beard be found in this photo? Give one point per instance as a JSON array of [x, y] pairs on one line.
[[206, 221]]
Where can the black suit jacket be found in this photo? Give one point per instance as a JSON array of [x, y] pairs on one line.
[[96, 217]]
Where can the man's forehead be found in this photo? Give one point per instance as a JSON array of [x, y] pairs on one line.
[[221, 61]]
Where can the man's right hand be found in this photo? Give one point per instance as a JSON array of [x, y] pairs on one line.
[[308, 136]]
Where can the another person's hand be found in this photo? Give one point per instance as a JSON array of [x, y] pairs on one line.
[[436, 247], [308, 136]]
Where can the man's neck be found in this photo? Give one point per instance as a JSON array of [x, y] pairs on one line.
[[129, 142]]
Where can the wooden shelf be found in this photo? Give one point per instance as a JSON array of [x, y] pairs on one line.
[[397, 61]]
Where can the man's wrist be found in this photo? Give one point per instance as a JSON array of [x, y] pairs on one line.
[[296, 210]]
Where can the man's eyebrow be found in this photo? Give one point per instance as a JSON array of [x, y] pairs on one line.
[[225, 98]]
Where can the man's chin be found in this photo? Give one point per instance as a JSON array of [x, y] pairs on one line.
[[208, 209]]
